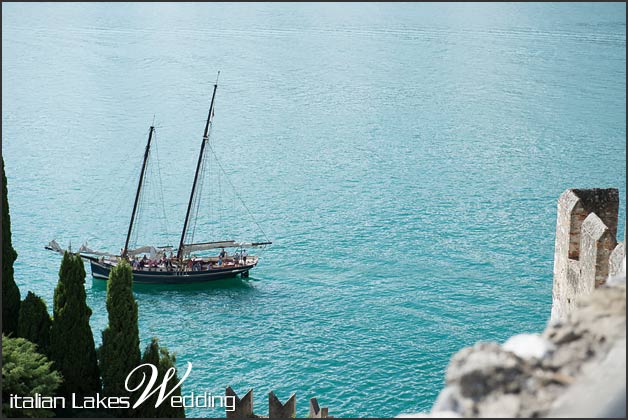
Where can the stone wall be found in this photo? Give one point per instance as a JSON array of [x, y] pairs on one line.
[[586, 230]]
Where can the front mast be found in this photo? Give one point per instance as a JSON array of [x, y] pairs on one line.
[[198, 167], [139, 189]]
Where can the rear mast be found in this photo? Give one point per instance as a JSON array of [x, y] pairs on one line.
[[198, 167], [139, 189]]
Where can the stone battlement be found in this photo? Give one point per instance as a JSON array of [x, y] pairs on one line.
[[586, 250], [276, 409]]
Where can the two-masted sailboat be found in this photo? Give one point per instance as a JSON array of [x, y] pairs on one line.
[[152, 264]]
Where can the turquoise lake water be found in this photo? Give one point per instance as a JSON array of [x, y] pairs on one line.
[[405, 160]]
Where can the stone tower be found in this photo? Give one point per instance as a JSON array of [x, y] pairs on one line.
[[586, 250]]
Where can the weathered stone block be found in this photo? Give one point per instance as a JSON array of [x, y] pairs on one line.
[[277, 410], [243, 407], [617, 261], [596, 245], [316, 412]]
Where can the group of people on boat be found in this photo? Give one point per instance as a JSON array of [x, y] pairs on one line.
[[238, 257], [148, 263], [170, 263]]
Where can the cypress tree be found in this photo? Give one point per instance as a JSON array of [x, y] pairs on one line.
[[161, 358], [10, 291], [25, 372], [34, 322], [71, 340], [120, 350]]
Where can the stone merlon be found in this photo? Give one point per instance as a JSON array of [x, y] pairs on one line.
[[586, 230]]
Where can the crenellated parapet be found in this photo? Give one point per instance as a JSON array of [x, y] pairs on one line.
[[243, 407], [586, 250]]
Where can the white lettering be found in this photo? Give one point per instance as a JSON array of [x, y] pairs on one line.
[[148, 391], [176, 401]]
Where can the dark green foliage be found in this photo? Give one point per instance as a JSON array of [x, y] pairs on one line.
[[26, 372], [10, 291], [34, 322], [160, 358], [120, 350], [71, 340]]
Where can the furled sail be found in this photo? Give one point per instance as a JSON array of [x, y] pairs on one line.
[[84, 249], [150, 250], [54, 246], [208, 245], [222, 244]]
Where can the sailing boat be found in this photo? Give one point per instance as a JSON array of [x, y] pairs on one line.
[[155, 266]]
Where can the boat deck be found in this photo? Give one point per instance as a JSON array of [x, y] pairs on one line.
[[198, 264], [204, 271]]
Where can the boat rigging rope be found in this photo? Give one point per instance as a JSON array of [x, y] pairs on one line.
[[209, 202], [108, 213], [237, 194], [219, 208], [198, 193], [161, 188]]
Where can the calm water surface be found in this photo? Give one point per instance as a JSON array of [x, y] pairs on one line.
[[404, 159]]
